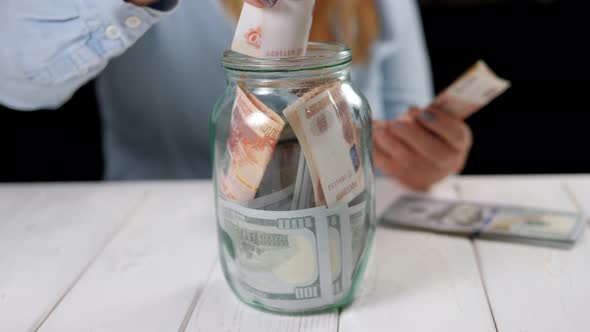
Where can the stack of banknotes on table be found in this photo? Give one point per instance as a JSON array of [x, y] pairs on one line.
[[489, 221]]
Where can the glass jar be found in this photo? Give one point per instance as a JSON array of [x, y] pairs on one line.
[[294, 183]]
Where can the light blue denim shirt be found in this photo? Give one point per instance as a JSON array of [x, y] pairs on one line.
[[159, 72]]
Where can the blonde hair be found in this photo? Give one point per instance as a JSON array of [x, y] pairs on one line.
[[353, 22]]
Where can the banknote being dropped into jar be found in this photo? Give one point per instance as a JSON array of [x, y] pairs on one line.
[[278, 32], [472, 91], [254, 132], [323, 124]]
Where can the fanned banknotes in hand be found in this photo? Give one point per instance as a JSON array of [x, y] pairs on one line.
[[472, 91], [475, 89], [490, 221]]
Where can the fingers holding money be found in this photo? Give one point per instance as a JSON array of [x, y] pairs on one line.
[[397, 160], [451, 129], [421, 148], [425, 144]]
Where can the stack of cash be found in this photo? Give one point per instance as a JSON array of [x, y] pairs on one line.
[[293, 213], [490, 221]]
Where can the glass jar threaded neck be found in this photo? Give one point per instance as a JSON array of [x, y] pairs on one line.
[[323, 61]]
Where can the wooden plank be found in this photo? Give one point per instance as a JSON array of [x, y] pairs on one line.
[[220, 310], [46, 247], [419, 281], [150, 273], [533, 288], [13, 201]]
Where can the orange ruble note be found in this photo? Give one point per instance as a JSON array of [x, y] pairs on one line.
[[254, 133], [278, 32], [323, 124], [475, 89]]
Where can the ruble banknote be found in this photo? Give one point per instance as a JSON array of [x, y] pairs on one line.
[[323, 124], [254, 133], [278, 32], [472, 91]]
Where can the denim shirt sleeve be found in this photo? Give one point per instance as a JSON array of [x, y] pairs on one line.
[[406, 68], [51, 48]]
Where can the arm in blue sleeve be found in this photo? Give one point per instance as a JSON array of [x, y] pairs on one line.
[[407, 74], [51, 48]]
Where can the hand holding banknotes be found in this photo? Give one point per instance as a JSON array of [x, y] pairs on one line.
[[420, 148]]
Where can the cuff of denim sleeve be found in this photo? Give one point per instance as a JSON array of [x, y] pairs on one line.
[[115, 25]]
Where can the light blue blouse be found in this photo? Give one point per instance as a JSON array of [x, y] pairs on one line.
[[159, 72]]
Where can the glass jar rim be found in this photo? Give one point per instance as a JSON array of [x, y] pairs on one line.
[[320, 55]]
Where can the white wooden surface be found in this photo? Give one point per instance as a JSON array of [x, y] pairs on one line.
[[143, 257], [14, 200], [147, 277], [420, 281], [47, 246], [219, 310], [532, 288]]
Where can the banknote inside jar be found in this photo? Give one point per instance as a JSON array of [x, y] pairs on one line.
[[313, 159], [293, 210]]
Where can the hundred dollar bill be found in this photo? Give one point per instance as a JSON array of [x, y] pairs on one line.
[[277, 258], [323, 124], [280, 259], [255, 130], [278, 32], [514, 223], [475, 89]]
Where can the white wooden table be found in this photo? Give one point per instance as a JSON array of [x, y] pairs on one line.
[[143, 257]]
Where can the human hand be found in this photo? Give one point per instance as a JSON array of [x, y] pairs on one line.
[[262, 3], [421, 148]]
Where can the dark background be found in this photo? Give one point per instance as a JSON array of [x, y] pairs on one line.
[[537, 127]]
